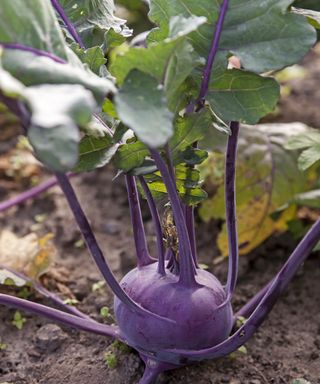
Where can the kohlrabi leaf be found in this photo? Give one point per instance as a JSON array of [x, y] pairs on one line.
[[264, 35], [171, 61], [310, 143], [57, 112], [242, 96], [31, 23], [31, 69], [267, 178], [142, 106], [130, 156], [93, 57], [95, 153], [187, 181], [188, 130], [10, 86], [312, 16], [93, 18]]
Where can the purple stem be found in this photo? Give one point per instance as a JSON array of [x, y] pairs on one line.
[[62, 317], [67, 22], [187, 269], [157, 224], [142, 252], [150, 375], [31, 193], [169, 161], [213, 52], [276, 288], [38, 52], [230, 200], [251, 305], [43, 291], [189, 215], [95, 250]]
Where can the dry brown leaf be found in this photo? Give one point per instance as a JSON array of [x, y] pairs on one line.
[[30, 255]]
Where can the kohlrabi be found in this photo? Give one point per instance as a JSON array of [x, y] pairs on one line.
[[147, 109]]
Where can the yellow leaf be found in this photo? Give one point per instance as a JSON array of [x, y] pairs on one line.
[[30, 255], [255, 225]]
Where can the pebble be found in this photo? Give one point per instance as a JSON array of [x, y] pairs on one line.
[[49, 337]]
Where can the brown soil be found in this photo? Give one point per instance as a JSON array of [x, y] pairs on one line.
[[286, 347]]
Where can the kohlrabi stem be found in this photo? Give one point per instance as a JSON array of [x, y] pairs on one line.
[[169, 161], [31, 193], [38, 52], [95, 250], [213, 52], [50, 295], [139, 235], [189, 215], [276, 288], [157, 224], [187, 268], [150, 375], [251, 305], [73, 32], [62, 317], [230, 201]]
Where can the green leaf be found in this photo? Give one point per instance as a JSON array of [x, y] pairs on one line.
[[56, 113], [309, 157], [267, 178], [310, 199], [264, 35], [312, 16], [130, 156], [189, 129], [31, 69], [187, 182], [170, 61], [309, 140], [305, 140], [32, 23], [142, 106], [242, 96], [93, 18], [10, 86], [93, 57], [95, 153]]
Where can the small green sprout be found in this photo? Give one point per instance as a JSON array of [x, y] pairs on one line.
[[70, 301], [105, 312], [110, 359], [79, 243], [120, 346], [3, 346], [98, 285], [24, 292], [240, 321], [18, 320]]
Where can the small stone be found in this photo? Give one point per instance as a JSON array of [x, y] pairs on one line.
[[255, 381], [49, 337]]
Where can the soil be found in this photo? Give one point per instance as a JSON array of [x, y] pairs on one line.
[[286, 347]]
